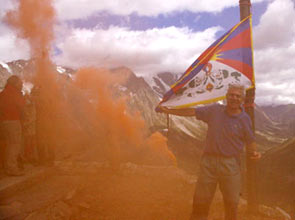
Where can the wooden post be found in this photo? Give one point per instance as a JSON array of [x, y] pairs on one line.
[[168, 125], [245, 6], [251, 186]]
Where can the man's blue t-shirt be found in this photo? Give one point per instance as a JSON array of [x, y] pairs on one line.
[[226, 134]]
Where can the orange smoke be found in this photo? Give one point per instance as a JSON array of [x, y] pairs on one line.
[[33, 21], [160, 154], [75, 116], [122, 133]]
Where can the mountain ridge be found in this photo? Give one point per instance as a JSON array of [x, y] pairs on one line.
[[186, 135]]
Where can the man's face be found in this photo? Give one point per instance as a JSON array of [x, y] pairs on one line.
[[234, 98]]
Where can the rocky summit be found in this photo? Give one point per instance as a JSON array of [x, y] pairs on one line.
[[149, 183]]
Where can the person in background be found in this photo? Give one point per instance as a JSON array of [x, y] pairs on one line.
[[229, 129], [29, 131], [11, 109], [44, 128]]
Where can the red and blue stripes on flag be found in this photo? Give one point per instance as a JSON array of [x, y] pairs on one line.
[[233, 49]]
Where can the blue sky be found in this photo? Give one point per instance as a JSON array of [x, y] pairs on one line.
[[196, 21], [154, 36]]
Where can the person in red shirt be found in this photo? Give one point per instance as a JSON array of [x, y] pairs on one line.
[[11, 109]]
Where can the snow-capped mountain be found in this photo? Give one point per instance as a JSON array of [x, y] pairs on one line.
[[24, 68], [161, 82], [145, 93]]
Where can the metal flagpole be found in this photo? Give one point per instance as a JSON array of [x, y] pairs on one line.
[[245, 6]]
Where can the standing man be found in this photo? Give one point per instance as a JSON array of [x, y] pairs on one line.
[[11, 109], [229, 129]]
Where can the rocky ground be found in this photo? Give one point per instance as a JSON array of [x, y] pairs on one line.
[[91, 190]]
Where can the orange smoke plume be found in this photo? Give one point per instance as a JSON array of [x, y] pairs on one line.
[[34, 20], [75, 116], [122, 133]]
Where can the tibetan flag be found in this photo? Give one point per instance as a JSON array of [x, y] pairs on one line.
[[229, 60]]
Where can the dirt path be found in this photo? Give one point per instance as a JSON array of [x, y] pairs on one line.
[[91, 191]]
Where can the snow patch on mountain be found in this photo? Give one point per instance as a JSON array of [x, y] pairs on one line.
[[5, 66], [122, 88], [179, 123], [27, 87], [161, 82], [151, 82], [60, 69]]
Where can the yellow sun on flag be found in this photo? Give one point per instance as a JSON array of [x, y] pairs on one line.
[[216, 56]]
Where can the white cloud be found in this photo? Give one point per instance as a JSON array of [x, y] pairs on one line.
[[154, 50], [6, 5], [13, 48], [168, 49], [277, 92], [171, 49], [274, 41], [75, 9], [275, 59], [277, 26]]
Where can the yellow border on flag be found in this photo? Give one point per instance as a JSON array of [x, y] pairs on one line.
[[221, 97], [252, 50], [208, 101]]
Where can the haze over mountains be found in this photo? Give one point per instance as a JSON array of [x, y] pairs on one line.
[[275, 127], [274, 124]]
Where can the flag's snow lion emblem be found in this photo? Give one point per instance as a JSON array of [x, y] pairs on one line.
[[208, 80]]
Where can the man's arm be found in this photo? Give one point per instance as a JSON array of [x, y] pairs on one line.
[[179, 112], [252, 151]]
